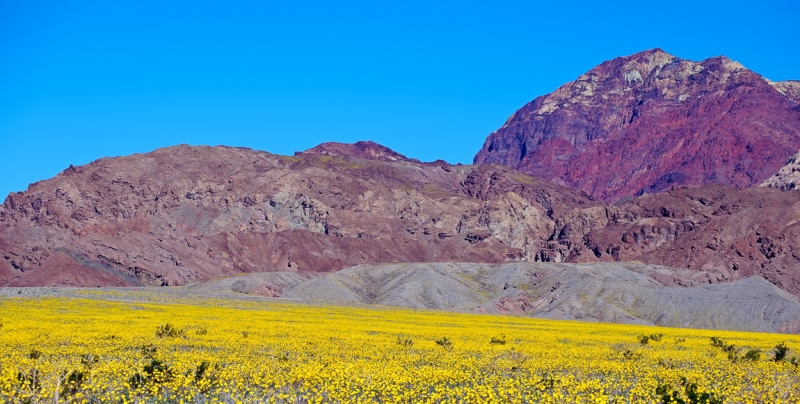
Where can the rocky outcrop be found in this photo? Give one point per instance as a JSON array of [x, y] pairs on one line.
[[788, 177], [728, 233], [789, 88], [651, 121]]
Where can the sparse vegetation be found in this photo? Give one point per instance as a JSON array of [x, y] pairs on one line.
[[445, 343], [691, 394], [780, 352], [404, 342], [645, 339], [501, 340], [169, 331], [752, 355], [729, 349]]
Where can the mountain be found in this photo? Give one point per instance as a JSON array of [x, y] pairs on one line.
[[185, 213], [650, 121]]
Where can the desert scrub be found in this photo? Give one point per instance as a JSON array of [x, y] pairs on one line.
[[106, 351]]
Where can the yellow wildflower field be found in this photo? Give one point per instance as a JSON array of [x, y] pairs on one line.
[[124, 350]]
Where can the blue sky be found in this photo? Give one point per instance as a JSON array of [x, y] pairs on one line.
[[428, 79]]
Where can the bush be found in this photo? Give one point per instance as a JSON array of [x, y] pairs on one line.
[[643, 339], [169, 331], [629, 355], [729, 349], [35, 354], [501, 340], [690, 391], [404, 342], [752, 355], [780, 352], [148, 351], [656, 337], [155, 372], [445, 343]]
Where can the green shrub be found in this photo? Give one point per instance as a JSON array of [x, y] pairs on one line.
[[629, 355], [445, 343], [404, 342], [780, 352], [169, 331], [501, 340], [752, 355], [690, 392]]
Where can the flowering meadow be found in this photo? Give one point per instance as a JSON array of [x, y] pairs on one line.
[[133, 348]]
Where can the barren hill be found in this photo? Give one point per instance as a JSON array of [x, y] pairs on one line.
[[184, 214], [606, 292], [650, 121]]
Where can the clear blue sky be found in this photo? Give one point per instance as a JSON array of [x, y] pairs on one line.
[[428, 79]]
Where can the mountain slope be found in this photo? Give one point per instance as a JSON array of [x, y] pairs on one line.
[[187, 213], [650, 121]]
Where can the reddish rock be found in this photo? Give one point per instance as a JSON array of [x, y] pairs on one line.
[[650, 121], [362, 149], [191, 213], [730, 233], [62, 270]]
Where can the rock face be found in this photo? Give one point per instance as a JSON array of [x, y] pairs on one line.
[[788, 177], [187, 213], [730, 233], [651, 121]]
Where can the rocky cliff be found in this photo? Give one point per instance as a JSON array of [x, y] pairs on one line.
[[651, 121]]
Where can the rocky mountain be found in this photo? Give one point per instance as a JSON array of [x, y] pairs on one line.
[[650, 121], [184, 214], [607, 292]]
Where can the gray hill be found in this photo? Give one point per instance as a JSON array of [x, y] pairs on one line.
[[628, 293]]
